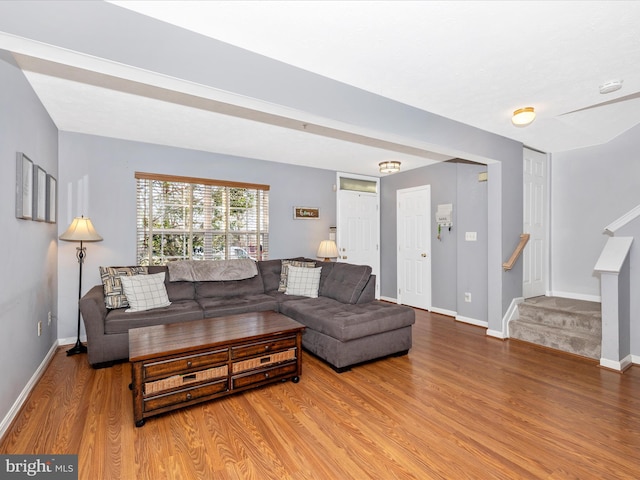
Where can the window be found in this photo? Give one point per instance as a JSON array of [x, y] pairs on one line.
[[184, 218]]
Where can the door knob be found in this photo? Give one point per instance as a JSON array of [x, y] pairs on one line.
[[423, 255]]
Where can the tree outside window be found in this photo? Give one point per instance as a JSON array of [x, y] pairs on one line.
[[182, 218]]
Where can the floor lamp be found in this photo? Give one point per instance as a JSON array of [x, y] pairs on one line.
[[80, 230]]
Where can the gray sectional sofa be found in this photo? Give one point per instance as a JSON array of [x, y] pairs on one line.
[[345, 325]]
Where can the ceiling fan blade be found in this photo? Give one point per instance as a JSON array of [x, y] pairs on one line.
[[608, 102]]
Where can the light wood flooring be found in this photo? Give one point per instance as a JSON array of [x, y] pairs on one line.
[[460, 405]]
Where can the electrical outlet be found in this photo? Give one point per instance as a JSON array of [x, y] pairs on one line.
[[467, 297], [40, 328], [49, 319]]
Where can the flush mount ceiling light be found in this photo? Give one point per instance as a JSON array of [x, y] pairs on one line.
[[523, 116], [389, 167], [610, 86]]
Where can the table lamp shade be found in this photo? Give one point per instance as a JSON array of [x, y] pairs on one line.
[[327, 249], [81, 230]]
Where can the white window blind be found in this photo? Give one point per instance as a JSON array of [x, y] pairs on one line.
[[185, 218]]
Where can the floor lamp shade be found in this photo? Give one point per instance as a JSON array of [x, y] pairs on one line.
[[81, 230]]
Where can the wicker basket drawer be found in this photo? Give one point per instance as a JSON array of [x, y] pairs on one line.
[[263, 361], [182, 364], [263, 375], [262, 347], [183, 396], [178, 381]]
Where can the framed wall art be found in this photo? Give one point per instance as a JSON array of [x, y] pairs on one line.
[[306, 213], [24, 187], [39, 194], [52, 199]]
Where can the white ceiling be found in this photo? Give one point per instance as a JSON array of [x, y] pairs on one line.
[[474, 62]]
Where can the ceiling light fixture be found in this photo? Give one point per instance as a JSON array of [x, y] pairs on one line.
[[391, 166], [610, 86], [523, 116]]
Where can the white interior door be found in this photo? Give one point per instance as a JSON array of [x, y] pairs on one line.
[[358, 232], [535, 224], [414, 246]]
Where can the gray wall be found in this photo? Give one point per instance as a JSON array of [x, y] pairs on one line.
[[590, 187], [29, 287], [457, 266], [472, 256], [107, 166]]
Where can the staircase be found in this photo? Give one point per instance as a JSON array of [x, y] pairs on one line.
[[573, 326]]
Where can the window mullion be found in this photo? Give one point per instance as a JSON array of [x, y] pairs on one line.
[[150, 221], [189, 215]]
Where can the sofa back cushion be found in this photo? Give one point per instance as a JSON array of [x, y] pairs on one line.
[[270, 272], [345, 282], [114, 296], [231, 288], [175, 290]]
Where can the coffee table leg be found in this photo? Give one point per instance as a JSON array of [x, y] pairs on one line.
[[136, 384]]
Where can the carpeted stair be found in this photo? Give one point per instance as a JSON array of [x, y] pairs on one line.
[[573, 326]]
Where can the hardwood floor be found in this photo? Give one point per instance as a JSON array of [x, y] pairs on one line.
[[460, 405]]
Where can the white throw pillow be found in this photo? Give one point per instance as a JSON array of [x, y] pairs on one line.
[[145, 292], [303, 281], [284, 271]]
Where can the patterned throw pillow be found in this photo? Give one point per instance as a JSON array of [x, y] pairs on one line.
[[303, 281], [282, 287], [114, 296], [145, 292]]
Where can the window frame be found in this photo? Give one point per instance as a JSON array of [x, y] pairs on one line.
[[144, 212]]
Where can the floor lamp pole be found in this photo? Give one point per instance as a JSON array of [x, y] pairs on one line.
[[79, 347]]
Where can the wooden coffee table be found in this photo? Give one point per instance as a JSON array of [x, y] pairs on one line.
[[182, 364]]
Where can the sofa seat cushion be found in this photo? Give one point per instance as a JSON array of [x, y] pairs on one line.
[[283, 297], [119, 321], [347, 321], [221, 306]]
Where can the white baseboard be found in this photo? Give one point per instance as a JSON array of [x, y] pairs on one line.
[[17, 405], [577, 296], [71, 340], [443, 311], [511, 314], [635, 359], [618, 366], [389, 299], [496, 334], [472, 321]]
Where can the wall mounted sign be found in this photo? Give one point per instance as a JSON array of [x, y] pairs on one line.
[[306, 213]]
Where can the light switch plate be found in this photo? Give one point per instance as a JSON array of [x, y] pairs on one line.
[[471, 236]]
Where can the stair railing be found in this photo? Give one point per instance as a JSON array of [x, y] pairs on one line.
[[524, 238]]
